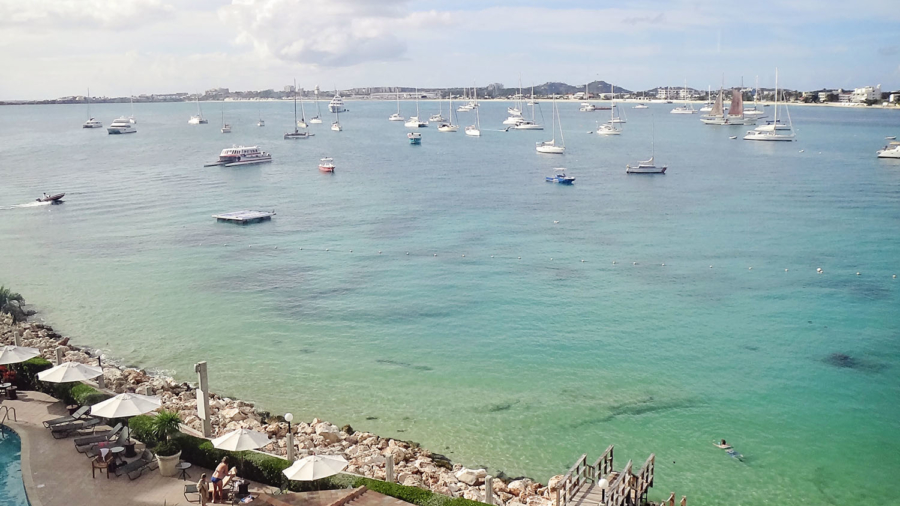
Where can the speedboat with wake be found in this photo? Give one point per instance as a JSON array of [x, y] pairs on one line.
[[240, 155], [54, 199]]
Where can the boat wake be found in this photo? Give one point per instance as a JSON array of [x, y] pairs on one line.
[[30, 204]]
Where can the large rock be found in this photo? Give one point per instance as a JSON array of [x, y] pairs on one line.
[[518, 487], [471, 476], [233, 415]]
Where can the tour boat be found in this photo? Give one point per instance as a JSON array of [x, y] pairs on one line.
[[892, 150], [337, 103], [560, 177], [52, 198], [773, 131], [297, 134], [315, 120], [414, 138], [91, 122], [686, 108], [198, 119], [121, 126], [475, 130], [550, 147], [396, 116], [326, 164], [449, 126], [241, 155]]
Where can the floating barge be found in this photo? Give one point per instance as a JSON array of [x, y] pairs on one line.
[[245, 217]]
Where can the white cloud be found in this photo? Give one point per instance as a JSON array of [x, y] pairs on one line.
[[82, 14], [328, 33]]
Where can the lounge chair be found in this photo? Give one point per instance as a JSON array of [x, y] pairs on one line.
[[191, 488], [136, 468], [82, 444], [66, 429], [93, 450], [77, 415]]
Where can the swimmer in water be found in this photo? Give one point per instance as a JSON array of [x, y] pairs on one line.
[[723, 445]]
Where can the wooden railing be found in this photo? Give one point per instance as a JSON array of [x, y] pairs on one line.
[[604, 465], [572, 481], [644, 479], [620, 492], [671, 501]]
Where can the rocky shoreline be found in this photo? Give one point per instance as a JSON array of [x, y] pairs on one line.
[[365, 452]]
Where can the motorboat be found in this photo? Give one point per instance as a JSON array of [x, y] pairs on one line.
[[121, 126], [415, 138], [241, 155], [337, 103], [560, 177], [768, 135], [512, 119], [326, 164], [226, 128], [645, 167], [551, 147], [394, 117], [641, 106], [892, 150], [52, 198], [608, 128], [526, 124], [587, 107], [91, 122]]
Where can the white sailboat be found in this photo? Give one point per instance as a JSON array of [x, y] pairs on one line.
[[91, 122], [260, 123], [587, 106], [449, 126], [716, 115], [296, 134], [475, 130], [526, 124], [336, 126], [617, 116], [551, 147], [226, 128], [467, 107], [773, 131], [755, 110], [414, 121], [317, 119], [198, 119], [686, 108], [131, 118], [648, 166], [735, 114], [609, 128], [515, 112], [439, 117], [302, 122], [708, 106], [396, 116]]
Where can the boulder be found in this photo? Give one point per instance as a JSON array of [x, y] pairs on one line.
[[233, 415], [413, 480], [471, 476], [331, 437], [518, 487]]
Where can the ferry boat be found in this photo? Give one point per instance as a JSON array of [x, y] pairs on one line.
[[560, 177], [892, 150], [241, 155], [415, 138], [326, 164], [337, 104], [121, 126]]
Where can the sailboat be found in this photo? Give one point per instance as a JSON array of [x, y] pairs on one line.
[[439, 117], [550, 147], [396, 116], [609, 128], [475, 130], [450, 127], [773, 131], [515, 112], [467, 107], [526, 124], [296, 134], [736, 110], [198, 118], [414, 121], [716, 115], [647, 166], [755, 110], [587, 106], [708, 106], [132, 118], [616, 114], [91, 122], [336, 126], [302, 122], [226, 128], [317, 119], [686, 108], [260, 123]]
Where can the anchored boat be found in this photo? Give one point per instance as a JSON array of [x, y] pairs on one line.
[[560, 177], [326, 164], [241, 155]]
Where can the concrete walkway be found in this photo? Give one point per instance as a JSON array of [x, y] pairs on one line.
[[57, 475]]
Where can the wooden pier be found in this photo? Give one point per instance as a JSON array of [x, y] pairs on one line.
[[599, 484], [245, 217]]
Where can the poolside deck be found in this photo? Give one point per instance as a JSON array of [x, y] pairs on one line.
[[56, 475]]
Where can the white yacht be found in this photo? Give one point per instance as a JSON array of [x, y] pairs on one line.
[[648, 166], [439, 117], [449, 126], [91, 122], [414, 121], [396, 116], [337, 103], [121, 126], [526, 124], [551, 147], [686, 107], [198, 118], [317, 119], [609, 128], [641, 106], [773, 131], [475, 130], [892, 150], [241, 155]]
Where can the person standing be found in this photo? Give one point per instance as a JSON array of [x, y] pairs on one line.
[[203, 489], [217, 477]]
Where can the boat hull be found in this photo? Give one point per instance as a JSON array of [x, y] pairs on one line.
[[52, 198], [889, 153], [120, 131], [303, 135], [448, 128], [247, 162], [326, 169], [768, 136], [645, 170]]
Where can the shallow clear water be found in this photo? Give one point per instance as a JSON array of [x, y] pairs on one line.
[[520, 364], [12, 489]]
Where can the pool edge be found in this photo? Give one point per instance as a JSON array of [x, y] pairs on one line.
[[27, 479]]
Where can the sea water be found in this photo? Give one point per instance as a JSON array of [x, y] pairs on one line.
[[498, 319]]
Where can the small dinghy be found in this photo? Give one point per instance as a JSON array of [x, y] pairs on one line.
[[52, 198]]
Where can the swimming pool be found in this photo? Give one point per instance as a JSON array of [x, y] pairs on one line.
[[12, 489]]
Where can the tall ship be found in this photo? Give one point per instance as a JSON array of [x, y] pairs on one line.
[[337, 103]]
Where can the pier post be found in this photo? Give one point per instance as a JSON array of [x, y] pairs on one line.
[[101, 382], [489, 489], [203, 397], [389, 468], [59, 355]]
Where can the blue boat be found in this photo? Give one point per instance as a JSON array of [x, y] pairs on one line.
[[560, 177], [415, 138]]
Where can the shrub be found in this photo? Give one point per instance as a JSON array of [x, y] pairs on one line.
[[7, 295], [167, 448], [80, 392], [414, 495], [29, 369], [165, 425], [142, 429]]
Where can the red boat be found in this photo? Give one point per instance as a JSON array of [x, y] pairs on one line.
[[326, 165], [52, 198]]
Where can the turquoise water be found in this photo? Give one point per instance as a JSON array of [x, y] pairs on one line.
[[12, 489], [520, 364]]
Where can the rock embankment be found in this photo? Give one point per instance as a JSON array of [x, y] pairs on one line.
[[365, 452]]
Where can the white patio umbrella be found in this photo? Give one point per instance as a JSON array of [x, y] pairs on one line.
[[315, 467], [68, 372], [240, 440], [125, 405], [15, 354]]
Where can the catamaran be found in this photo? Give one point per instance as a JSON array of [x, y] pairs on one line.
[[198, 118], [91, 122], [647, 166], [396, 116], [413, 121], [297, 134], [686, 108], [550, 147], [121, 126], [475, 130], [449, 126], [773, 131]]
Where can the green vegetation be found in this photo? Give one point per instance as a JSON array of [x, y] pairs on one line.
[[85, 395], [142, 429], [167, 448], [165, 425], [7, 295]]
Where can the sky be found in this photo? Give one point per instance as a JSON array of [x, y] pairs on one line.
[[54, 48]]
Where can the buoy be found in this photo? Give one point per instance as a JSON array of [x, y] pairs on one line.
[[521, 258], [857, 274], [819, 270], [785, 270], [464, 255], [226, 244], [582, 260], [614, 262], [551, 259], [407, 252], [633, 263], [895, 276], [710, 266], [492, 256], [379, 252], [750, 268], [276, 247], [351, 251], [326, 249], [663, 264], [434, 254], [301, 249], [802, 150]]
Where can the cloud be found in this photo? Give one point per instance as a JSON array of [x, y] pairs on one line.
[[328, 33], [82, 14]]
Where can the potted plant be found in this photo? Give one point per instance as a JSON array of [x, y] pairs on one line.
[[168, 452]]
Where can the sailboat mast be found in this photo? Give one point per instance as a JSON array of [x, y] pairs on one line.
[[417, 102], [295, 105], [533, 118], [89, 103], [776, 97]]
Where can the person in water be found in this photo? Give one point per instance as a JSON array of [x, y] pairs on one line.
[[723, 445]]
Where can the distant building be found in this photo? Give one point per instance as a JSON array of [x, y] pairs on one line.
[[866, 93], [289, 88], [823, 95], [669, 93]]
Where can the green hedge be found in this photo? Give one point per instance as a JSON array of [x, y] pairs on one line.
[[27, 373], [414, 495]]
